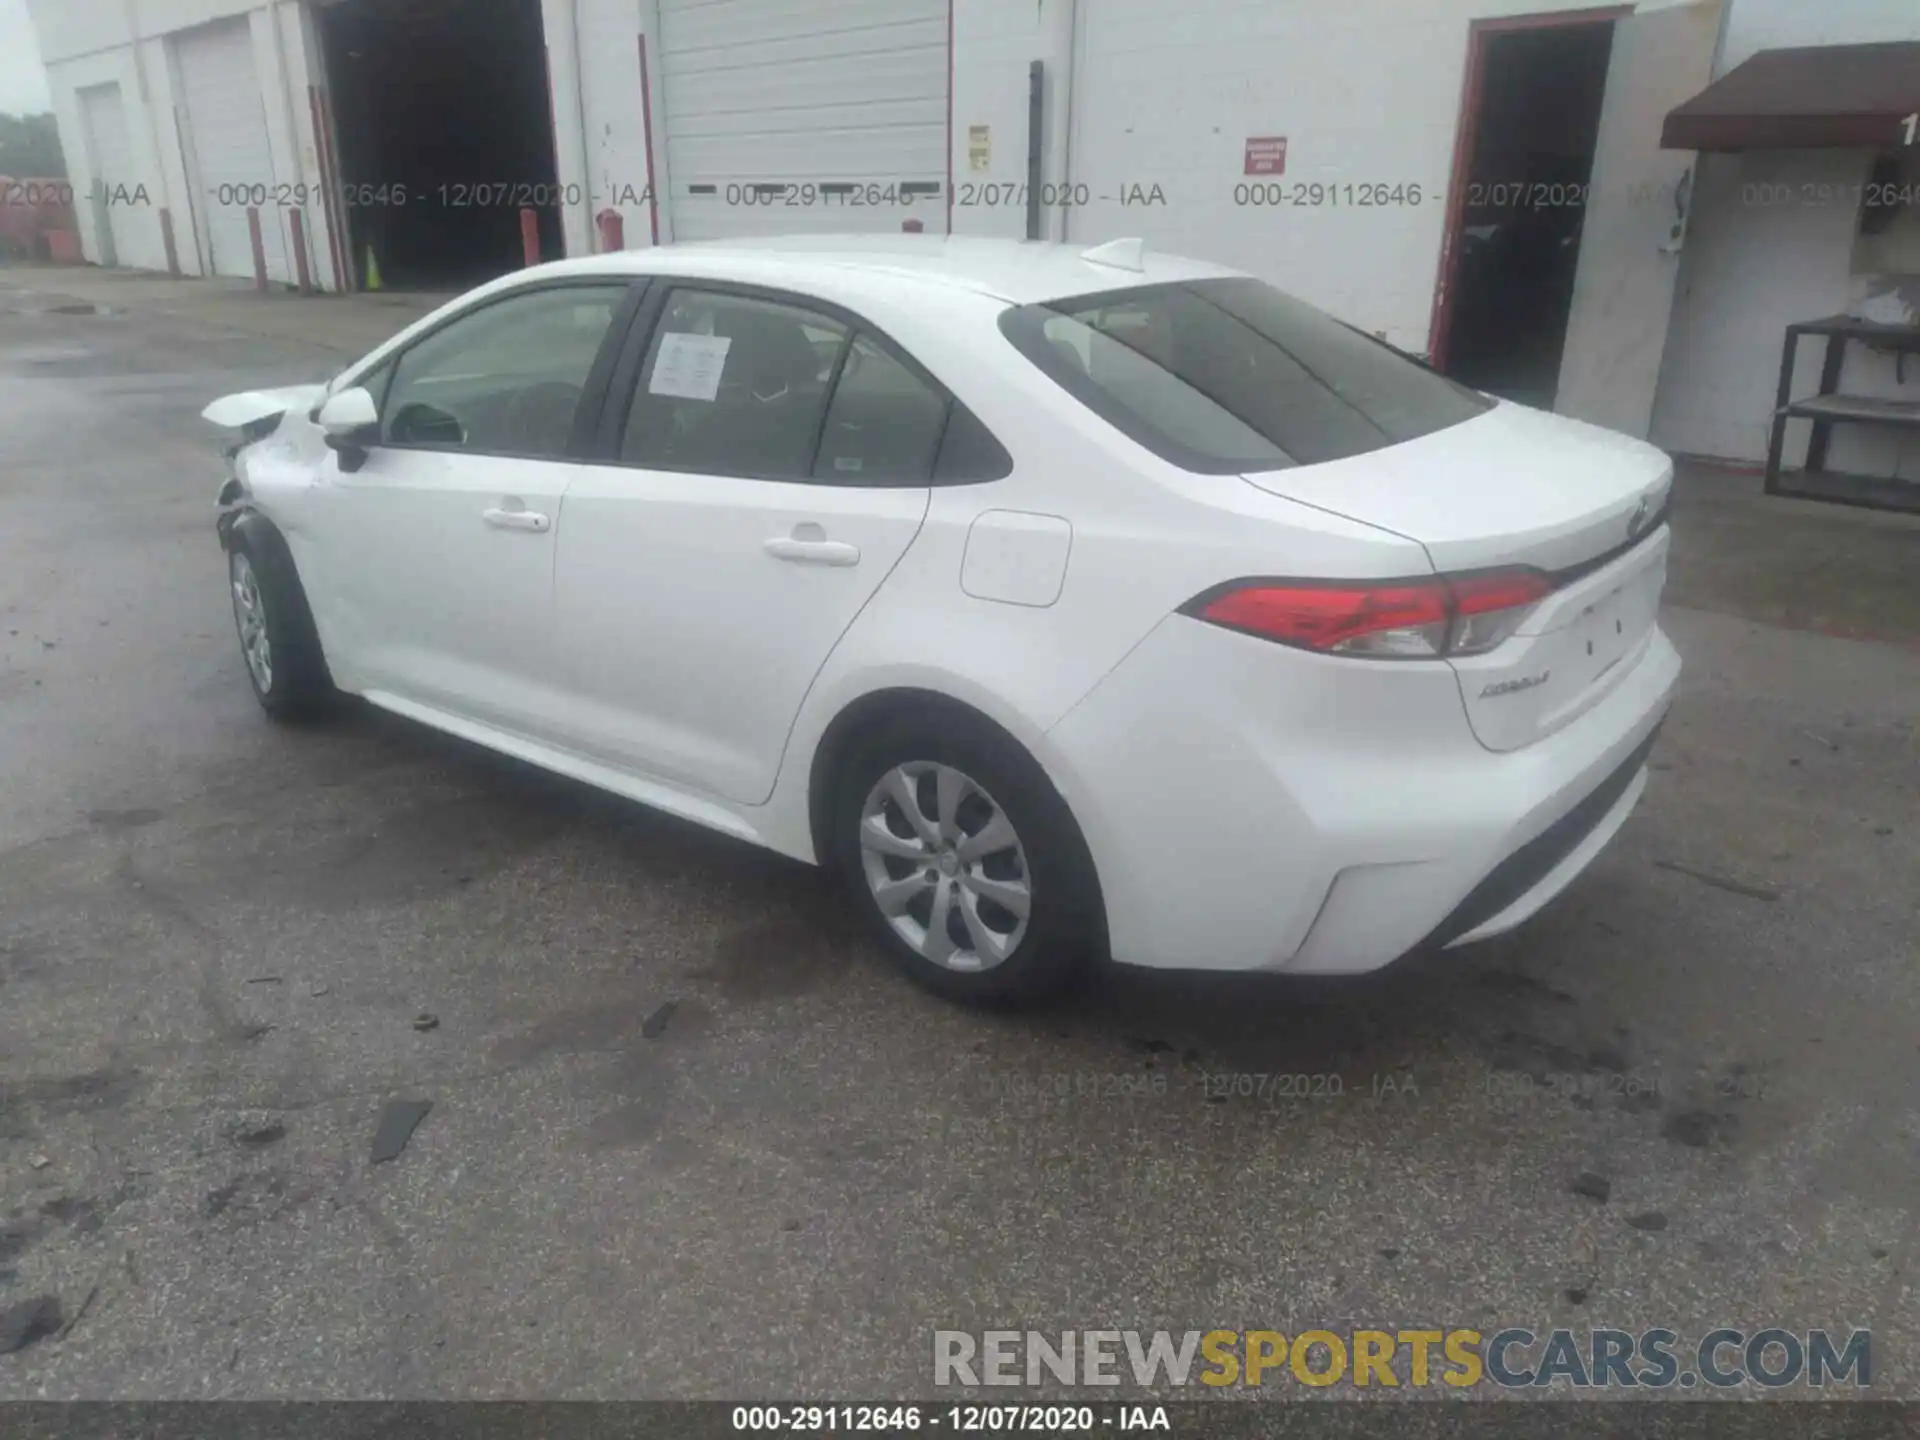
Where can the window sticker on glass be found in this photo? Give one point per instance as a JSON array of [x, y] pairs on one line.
[[688, 367]]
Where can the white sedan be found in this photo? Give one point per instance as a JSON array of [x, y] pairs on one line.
[[1072, 603]]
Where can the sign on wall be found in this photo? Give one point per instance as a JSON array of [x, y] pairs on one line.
[[1266, 155], [979, 147]]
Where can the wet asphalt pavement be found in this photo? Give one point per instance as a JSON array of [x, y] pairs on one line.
[[690, 1137]]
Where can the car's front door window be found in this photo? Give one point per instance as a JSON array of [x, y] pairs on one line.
[[506, 380]]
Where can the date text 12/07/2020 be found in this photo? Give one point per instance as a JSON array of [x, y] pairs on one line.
[[481, 195], [965, 196], [771, 195], [1274, 1088], [1501, 1083]]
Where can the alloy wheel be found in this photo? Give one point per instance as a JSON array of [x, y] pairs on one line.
[[250, 613], [945, 866]]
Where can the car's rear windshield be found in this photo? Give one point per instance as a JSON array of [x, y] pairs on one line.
[[1231, 375]]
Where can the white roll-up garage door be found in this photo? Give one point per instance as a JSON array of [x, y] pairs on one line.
[[786, 116], [114, 182], [227, 128]]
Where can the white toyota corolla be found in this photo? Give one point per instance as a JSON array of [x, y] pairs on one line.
[[1071, 602]]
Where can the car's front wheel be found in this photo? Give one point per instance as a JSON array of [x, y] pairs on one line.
[[966, 862], [277, 641]]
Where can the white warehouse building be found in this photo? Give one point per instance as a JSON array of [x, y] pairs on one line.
[[1536, 195]]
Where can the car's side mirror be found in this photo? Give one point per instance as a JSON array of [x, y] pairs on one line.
[[352, 424]]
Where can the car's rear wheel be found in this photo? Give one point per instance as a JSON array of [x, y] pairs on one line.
[[284, 664], [966, 862]]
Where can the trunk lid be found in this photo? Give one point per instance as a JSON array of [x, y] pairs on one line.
[[1518, 486]]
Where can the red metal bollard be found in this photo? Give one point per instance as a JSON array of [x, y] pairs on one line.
[[301, 268], [912, 227], [259, 248], [613, 231], [530, 235]]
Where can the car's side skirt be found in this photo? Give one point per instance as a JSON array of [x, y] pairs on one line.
[[698, 809]]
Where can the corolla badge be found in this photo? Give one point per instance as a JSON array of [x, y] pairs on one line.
[[1512, 687]]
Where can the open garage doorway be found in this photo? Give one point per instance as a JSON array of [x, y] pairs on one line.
[[445, 133], [1528, 132]]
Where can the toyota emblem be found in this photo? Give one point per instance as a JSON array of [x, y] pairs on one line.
[[1642, 513]]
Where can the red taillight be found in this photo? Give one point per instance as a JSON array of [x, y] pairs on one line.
[[1321, 617], [1406, 619], [1492, 590]]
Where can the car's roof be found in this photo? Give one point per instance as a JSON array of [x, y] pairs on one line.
[[1020, 272]]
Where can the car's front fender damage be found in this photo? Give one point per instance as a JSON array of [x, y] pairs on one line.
[[257, 407], [253, 415]]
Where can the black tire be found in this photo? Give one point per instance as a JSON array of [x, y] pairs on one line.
[[296, 685], [1064, 926]]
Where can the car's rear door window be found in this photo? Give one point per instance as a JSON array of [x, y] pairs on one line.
[[734, 385], [764, 386], [1233, 375], [884, 424]]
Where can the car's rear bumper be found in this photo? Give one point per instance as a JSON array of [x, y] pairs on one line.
[[1540, 869], [1257, 811]]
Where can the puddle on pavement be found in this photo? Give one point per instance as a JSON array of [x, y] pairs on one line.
[[66, 356], [71, 308]]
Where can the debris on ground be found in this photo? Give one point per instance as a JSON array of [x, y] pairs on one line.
[[264, 980], [318, 990], [1720, 882], [82, 1215], [1697, 1128], [655, 1025], [256, 1136], [81, 1313], [398, 1118], [1648, 1220], [39, 1162], [30, 1321], [1594, 1187], [425, 1021]]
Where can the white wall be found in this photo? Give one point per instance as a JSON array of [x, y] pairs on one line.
[[143, 240], [1138, 95], [1751, 267], [92, 42], [600, 118], [1747, 272], [617, 174], [1364, 90], [1773, 24], [994, 45], [71, 28]]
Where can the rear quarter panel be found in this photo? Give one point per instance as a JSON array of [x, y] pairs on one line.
[[1145, 538]]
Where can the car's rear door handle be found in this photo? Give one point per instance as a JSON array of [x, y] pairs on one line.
[[814, 552], [517, 520]]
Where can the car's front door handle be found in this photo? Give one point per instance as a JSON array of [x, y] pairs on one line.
[[517, 520], [814, 552]]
